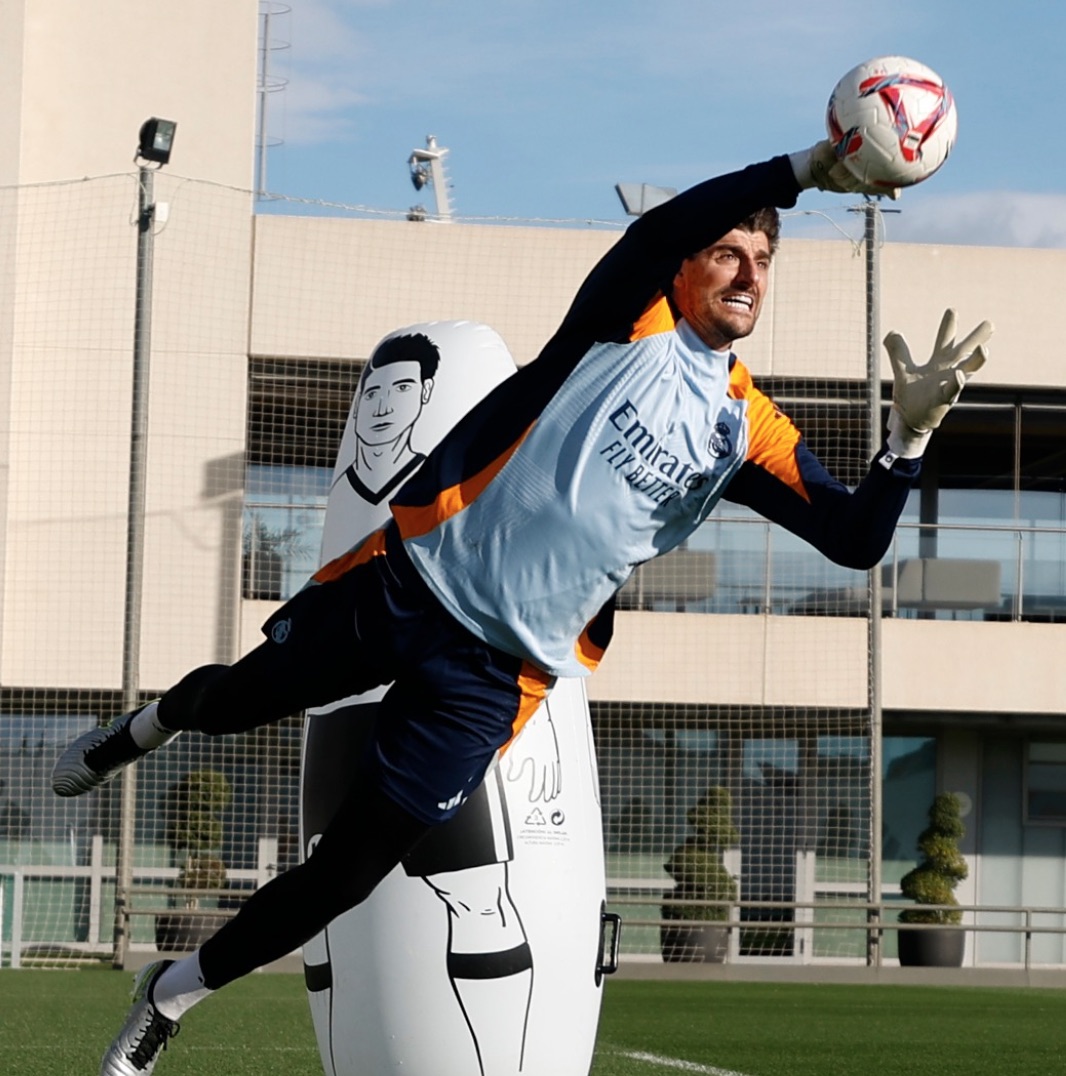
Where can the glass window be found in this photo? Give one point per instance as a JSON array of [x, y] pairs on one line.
[[908, 788], [1045, 782], [284, 510], [296, 415], [842, 798]]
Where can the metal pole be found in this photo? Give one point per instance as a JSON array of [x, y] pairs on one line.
[[873, 381], [131, 641], [264, 61]]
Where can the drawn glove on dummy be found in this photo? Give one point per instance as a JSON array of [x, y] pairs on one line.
[[820, 167], [923, 395]]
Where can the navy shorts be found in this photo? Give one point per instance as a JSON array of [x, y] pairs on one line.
[[454, 700]]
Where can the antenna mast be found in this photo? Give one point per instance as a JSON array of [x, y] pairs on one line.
[[427, 169], [266, 84]]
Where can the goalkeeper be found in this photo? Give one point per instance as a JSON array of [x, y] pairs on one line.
[[498, 569]]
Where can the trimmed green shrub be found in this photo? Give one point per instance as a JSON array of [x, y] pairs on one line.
[[193, 825], [941, 868], [696, 864]]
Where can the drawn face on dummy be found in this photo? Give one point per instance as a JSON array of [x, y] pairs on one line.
[[397, 384], [719, 291], [392, 400]]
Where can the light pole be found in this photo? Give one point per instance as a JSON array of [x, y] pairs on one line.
[[872, 211], [155, 142]]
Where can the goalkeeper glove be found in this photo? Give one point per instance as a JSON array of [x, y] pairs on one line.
[[820, 167], [923, 395]]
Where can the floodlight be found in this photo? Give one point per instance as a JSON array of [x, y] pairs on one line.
[[156, 140], [638, 198]]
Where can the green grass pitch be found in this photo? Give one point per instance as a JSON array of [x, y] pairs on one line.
[[55, 1023]]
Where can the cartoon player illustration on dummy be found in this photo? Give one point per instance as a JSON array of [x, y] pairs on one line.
[[401, 408], [396, 385]]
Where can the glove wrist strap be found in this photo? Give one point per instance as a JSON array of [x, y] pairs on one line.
[[801, 167], [903, 441]]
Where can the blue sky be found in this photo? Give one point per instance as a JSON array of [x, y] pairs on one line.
[[545, 105]]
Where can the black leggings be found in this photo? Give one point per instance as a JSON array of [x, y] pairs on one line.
[[367, 837]]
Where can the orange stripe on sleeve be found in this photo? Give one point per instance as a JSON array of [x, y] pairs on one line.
[[772, 438], [416, 520], [372, 546], [534, 684], [587, 652], [657, 318]]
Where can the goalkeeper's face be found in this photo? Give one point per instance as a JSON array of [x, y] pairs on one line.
[[720, 290]]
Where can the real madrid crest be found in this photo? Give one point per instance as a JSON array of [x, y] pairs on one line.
[[721, 442]]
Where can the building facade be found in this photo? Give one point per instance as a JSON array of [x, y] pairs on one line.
[[742, 662]]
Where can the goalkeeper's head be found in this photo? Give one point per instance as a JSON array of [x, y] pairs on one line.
[[719, 290]]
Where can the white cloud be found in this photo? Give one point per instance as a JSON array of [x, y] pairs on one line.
[[545, 54], [984, 218], [319, 55], [981, 218]]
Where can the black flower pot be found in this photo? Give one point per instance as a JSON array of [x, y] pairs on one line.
[[697, 944], [932, 947]]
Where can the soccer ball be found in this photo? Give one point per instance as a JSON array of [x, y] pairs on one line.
[[892, 121]]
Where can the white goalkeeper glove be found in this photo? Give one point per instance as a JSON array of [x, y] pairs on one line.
[[819, 167], [923, 395]]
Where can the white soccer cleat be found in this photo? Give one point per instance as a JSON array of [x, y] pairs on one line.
[[96, 756], [145, 1033]]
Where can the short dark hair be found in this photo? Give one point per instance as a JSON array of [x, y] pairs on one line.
[[410, 347], [766, 220]]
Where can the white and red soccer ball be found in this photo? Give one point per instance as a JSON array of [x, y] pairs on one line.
[[892, 121]]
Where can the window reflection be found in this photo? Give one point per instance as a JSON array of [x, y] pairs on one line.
[[1045, 781], [909, 785], [991, 505], [284, 512]]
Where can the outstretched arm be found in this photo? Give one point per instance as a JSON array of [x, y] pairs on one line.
[[646, 258], [643, 263], [785, 482], [852, 528]]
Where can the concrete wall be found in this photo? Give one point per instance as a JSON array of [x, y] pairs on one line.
[[76, 83], [78, 80], [332, 288]]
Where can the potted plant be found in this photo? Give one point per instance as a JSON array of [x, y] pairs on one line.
[[692, 931], [933, 882], [193, 831]]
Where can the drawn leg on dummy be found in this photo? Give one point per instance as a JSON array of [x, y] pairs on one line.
[[489, 963]]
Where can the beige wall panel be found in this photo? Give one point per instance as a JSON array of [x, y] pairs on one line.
[[978, 667], [725, 660], [70, 354], [974, 667], [921, 281], [93, 73], [254, 614], [812, 323], [13, 14], [333, 288]]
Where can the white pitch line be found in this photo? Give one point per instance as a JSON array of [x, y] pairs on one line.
[[677, 1063]]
